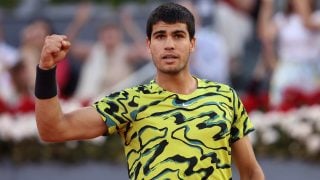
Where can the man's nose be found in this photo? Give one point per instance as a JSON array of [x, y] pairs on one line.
[[169, 44]]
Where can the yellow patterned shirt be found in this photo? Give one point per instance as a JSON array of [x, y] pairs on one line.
[[174, 136]]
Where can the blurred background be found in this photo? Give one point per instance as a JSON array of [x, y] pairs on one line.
[[268, 50]]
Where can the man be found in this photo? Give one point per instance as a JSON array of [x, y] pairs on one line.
[[175, 127]]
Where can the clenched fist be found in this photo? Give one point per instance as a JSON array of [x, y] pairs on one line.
[[54, 50]]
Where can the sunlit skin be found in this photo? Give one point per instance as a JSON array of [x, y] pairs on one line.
[[170, 46]]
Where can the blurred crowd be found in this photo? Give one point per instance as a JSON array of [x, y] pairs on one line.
[[268, 50]]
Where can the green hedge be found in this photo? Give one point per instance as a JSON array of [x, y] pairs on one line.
[[8, 4], [111, 150], [110, 2], [31, 150]]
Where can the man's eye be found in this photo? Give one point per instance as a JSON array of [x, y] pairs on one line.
[[160, 36], [178, 36]]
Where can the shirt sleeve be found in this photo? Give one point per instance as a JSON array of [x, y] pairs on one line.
[[241, 125], [114, 111]]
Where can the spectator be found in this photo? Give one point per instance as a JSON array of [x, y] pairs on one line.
[[140, 56], [296, 34], [9, 54], [8, 59], [210, 59], [233, 21], [21, 99], [106, 65], [33, 36]]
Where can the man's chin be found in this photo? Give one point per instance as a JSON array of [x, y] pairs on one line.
[[170, 71]]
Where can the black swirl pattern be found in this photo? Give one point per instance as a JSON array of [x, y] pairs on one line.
[[175, 136]]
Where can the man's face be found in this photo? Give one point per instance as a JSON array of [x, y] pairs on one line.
[[110, 37], [170, 47]]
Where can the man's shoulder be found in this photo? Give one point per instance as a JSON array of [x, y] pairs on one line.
[[146, 88], [204, 83]]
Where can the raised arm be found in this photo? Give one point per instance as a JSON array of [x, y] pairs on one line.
[[304, 9], [54, 125], [267, 31], [266, 27], [82, 16], [245, 160]]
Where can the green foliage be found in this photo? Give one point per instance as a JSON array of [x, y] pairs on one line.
[[8, 4], [31, 150], [285, 147], [110, 2]]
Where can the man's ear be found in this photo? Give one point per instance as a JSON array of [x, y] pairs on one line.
[[192, 44], [148, 43]]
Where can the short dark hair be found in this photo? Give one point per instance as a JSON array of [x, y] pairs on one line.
[[171, 13]]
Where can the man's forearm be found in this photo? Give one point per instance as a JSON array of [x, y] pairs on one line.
[[48, 111], [256, 174], [48, 117]]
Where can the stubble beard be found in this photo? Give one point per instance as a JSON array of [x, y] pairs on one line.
[[172, 70]]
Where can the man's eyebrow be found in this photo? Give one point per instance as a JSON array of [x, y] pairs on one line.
[[174, 32], [159, 32], [179, 31]]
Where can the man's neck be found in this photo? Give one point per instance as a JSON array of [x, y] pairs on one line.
[[179, 83]]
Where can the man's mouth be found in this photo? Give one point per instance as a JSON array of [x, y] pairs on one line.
[[169, 57]]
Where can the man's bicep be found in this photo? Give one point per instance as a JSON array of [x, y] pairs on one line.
[[243, 154], [84, 123]]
